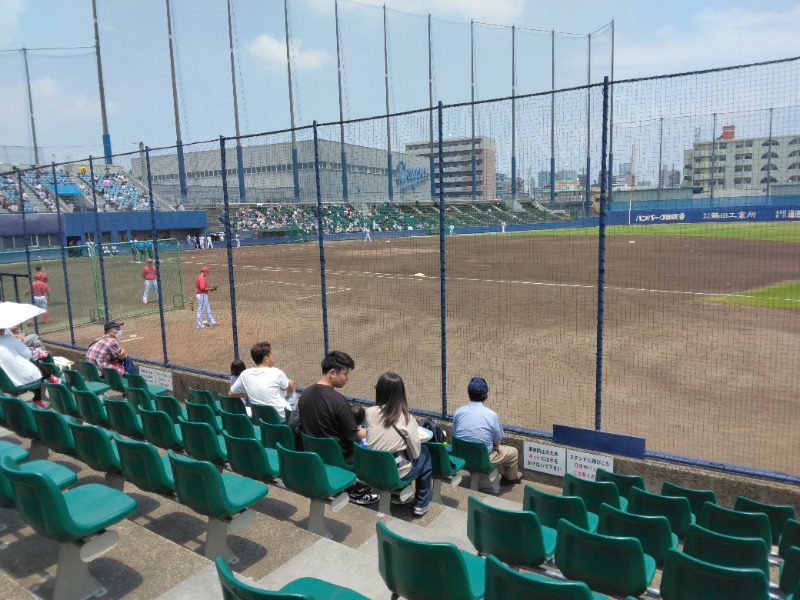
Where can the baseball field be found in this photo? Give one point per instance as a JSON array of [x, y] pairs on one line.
[[700, 326]]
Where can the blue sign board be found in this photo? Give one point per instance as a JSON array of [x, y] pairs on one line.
[[409, 178]]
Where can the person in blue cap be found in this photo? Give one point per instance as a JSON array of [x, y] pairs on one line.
[[475, 422]]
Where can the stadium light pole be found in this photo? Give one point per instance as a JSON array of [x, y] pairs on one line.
[[513, 112], [295, 172], [103, 115], [239, 160], [472, 105], [30, 108], [430, 103], [553, 119], [388, 118], [343, 152], [178, 142]]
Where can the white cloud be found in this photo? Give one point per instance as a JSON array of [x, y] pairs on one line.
[[713, 37], [270, 52], [10, 10]]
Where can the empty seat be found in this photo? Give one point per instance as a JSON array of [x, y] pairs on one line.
[[272, 435], [515, 537], [123, 419], [94, 447], [328, 450], [266, 413], [225, 498], [623, 482], [54, 431], [202, 413], [696, 498], [115, 380], [19, 419], [476, 461], [789, 581], [237, 425], [232, 405], [248, 457], [725, 550], [607, 564], [201, 442], [790, 536], [62, 399], [160, 431], [439, 570], [89, 371], [76, 519], [139, 382], [594, 493], [304, 473], [653, 532], [203, 397], [676, 508], [686, 577], [140, 399], [778, 513], [91, 408], [551, 508], [736, 523], [143, 467], [446, 469], [75, 381], [171, 406]]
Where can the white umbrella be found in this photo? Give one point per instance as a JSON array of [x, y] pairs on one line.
[[14, 313]]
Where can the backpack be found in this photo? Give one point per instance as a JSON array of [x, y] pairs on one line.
[[439, 434]]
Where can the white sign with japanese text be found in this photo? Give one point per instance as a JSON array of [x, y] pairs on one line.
[[545, 459], [156, 376], [585, 465]]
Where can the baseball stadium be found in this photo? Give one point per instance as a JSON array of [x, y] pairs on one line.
[[619, 261]]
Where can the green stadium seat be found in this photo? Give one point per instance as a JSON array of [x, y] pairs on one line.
[[54, 431], [139, 382], [378, 469], [305, 588], [515, 537], [62, 399], [504, 583], [778, 514], [414, 569], [328, 450], [789, 581], [91, 408], [697, 498], [736, 523], [676, 508], [15, 451], [248, 457], [725, 550], [686, 577], [623, 482], [171, 406], [89, 371], [610, 565], [141, 464], [445, 469], [594, 493], [304, 473], [266, 413], [123, 419], [62, 476], [653, 532], [203, 397], [237, 425], [140, 399], [232, 405], [202, 443], [19, 419], [551, 508], [15, 390], [272, 435], [94, 447], [202, 413], [225, 498], [476, 462], [75, 381], [790, 536], [77, 519], [115, 380], [160, 431]]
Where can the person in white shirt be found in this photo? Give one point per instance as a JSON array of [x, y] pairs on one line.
[[15, 360], [264, 384]]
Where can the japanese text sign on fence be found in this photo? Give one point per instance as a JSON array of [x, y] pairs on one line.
[[545, 459], [585, 465], [157, 377]]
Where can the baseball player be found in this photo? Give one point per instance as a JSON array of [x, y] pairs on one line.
[[150, 283], [40, 291], [202, 289]]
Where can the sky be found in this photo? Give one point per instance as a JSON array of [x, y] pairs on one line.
[[650, 38]]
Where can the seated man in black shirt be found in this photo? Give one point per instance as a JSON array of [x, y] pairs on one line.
[[324, 412]]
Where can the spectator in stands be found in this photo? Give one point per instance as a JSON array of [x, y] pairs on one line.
[[475, 422], [264, 384], [391, 427], [106, 352], [324, 412], [15, 360]]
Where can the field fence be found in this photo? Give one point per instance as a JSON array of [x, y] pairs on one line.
[[482, 255]]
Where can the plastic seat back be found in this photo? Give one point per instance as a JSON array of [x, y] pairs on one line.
[[54, 431], [736, 523], [623, 482], [238, 425], [114, 380], [90, 372], [551, 508], [266, 413], [676, 508], [377, 468], [594, 493], [171, 406], [687, 577], [725, 550], [19, 417], [140, 383], [427, 570], [249, 458], [140, 399], [304, 473], [93, 446], [50, 369], [143, 467], [203, 397], [202, 413], [328, 450], [91, 408], [444, 465], [790, 536], [504, 583], [75, 380], [475, 455], [696, 498], [778, 513], [607, 564], [160, 431], [202, 443], [7, 387], [62, 398], [234, 406], [123, 419], [653, 532], [790, 571], [272, 435], [516, 537]]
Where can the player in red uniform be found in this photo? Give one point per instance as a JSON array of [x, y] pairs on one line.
[[201, 290]]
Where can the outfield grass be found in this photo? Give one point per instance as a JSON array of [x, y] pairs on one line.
[[782, 295], [775, 231]]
